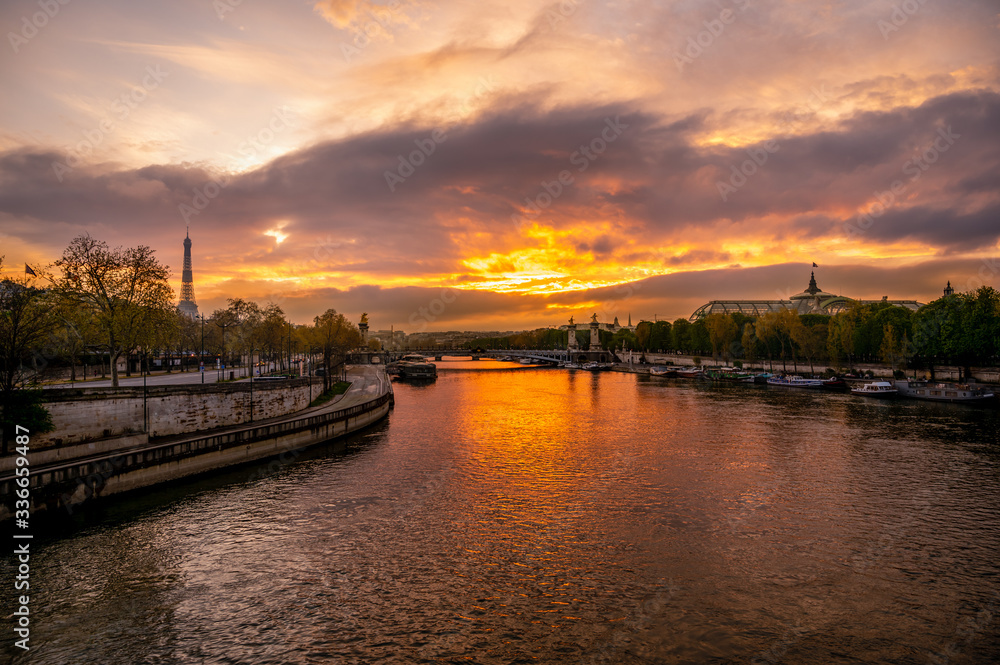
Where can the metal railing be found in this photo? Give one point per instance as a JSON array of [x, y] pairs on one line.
[[104, 466]]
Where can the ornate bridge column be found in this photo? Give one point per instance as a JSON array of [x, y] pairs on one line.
[[363, 327]]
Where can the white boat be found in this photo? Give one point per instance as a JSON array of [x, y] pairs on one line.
[[794, 382], [571, 366], [880, 389], [526, 361], [412, 369]]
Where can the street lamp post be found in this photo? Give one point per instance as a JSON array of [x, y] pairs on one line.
[[223, 358], [201, 358], [145, 412], [251, 385], [309, 364], [72, 367]]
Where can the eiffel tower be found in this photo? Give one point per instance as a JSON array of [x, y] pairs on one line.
[[187, 305]]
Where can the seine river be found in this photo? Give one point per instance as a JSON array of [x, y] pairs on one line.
[[545, 516]]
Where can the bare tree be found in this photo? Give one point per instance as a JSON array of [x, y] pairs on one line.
[[246, 316], [274, 334], [187, 339], [126, 288], [75, 332]]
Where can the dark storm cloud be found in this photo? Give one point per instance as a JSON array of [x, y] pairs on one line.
[[935, 154], [652, 181], [976, 231]]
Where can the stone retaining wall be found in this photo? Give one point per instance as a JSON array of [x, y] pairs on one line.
[[63, 486], [88, 414]]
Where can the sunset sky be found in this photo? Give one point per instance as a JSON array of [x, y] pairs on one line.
[[277, 129]]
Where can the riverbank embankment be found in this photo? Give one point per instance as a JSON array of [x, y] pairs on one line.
[[989, 375], [82, 474]]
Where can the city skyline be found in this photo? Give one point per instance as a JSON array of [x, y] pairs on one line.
[[459, 167], [617, 298]]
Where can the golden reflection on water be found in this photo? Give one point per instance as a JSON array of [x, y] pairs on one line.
[[539, 515]]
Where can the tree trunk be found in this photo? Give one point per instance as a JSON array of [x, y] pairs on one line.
[[113, 361], [327, 371]]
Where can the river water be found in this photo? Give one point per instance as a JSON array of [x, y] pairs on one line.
[[519, 515]]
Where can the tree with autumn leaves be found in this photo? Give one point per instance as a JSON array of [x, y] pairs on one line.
[[27, 319], [333, 336], [124, 290]]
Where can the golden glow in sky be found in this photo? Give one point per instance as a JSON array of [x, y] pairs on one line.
[[527, 153]]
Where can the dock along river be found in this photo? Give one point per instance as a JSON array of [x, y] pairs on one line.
[[504, 514]]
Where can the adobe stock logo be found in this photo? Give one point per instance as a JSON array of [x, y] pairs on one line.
[[435, 308], [280, 120], [699, 43], [408, 165], [38, 20], [365, 30], [899, 16], [738, 176], [119, 111], [913, 167], [581, 158]]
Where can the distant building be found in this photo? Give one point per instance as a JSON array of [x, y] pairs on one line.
[[610, 327], [450, 339], [811, 301], [187, 305], [390, 339], [615, 327]]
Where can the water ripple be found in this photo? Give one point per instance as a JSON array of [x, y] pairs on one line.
[[548, 517]]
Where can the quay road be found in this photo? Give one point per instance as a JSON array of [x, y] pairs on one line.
[[159, 378], [366, 382]]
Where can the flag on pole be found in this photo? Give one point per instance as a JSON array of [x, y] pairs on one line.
[[29, 271], [814, 265]]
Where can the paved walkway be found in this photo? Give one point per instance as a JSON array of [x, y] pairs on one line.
[[157, 378]]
